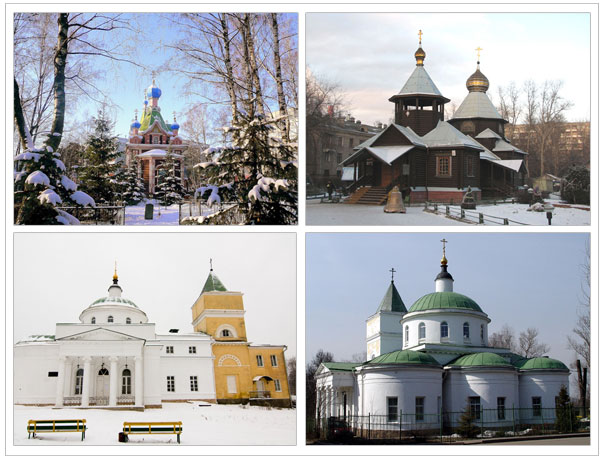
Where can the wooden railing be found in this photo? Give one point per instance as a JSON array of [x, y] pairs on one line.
[[260, 394]]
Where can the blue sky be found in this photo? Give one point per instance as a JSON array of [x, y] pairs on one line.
[[372, 55], [523, 280]]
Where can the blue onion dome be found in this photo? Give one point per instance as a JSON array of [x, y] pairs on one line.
[[153, 91], [135, 124], [146, 102], [175, 126]]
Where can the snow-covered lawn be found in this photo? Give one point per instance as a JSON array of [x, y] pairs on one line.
[[329, 214], [202, 425], [162, 216]]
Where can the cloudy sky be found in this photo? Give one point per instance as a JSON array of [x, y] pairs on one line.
[[58, 275], [371, 55], [523, 280]]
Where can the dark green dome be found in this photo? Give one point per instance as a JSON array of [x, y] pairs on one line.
[[481, 359], [113, 300], [541, 363], [405, 357], [444, 300]]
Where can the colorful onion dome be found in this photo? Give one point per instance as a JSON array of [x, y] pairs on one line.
[[153, 91], [135, 124]]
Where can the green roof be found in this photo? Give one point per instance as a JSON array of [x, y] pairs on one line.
[[480, 359], [404, 357], [541, 363], [392, 302], [150, 117], [444, 300], [340, 366], [213, 284], [113, 300]]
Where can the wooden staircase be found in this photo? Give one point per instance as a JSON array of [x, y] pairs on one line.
[[368, 196]]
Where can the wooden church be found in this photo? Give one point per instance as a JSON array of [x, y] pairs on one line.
[[431, 159]]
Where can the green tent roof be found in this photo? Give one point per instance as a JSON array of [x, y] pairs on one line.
[[541, 363], [392, 302], [340, 366], [480, 359], [444, 300], [213, 284], [405, 357], [150, 117]]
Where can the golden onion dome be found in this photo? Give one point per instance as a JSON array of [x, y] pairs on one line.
[[477, 82], [443, 261], [420, 55]]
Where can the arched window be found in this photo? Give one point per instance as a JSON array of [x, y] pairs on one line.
[[126, 382], [79, 381], [226, 333], [407, 334], [103, 371], [482, 335], [466, 330], [93, 320], [445, 331], [110, 319], [128, 320], [421, 331]]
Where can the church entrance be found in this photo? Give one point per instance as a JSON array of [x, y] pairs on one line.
[[102, 387]]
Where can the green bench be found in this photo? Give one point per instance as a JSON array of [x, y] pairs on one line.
[[154, 428], [56, 425]]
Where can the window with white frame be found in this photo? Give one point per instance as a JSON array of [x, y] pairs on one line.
[[445, 331], [93, 320], [466, 330], [419, 408], [79, 381], [170, 383], [259, 361], [482, 335], [501, 407], [126, 382], [273, 361], [407, 334], [231, 384], [169, 349], [475, 406], [226, 333], [277, 386], [536, 404], [421, 331], [392, 409], [193, 383], [192, 350], [128, 321], [444, 165], [110, 319]]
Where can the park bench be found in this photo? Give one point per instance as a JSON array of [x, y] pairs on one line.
[[56, 425], [154, 428]]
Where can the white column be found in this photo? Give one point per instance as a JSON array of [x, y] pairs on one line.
[[113, 381], [151, 175], [61, 381], [86, 384], [328, 401], [138, 381]]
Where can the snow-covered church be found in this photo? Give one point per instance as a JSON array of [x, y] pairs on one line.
[[433, 359]]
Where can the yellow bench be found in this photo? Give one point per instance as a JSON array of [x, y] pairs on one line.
[[154, 428], [56, 425]]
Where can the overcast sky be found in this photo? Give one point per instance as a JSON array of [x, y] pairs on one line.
[[371, 55], [58, 275], [523, 280]]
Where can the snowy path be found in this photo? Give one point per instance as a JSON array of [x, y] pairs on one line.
[[328, 214], [162, 216], [207, 425]]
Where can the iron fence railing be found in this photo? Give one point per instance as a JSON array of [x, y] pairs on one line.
[[260, 394], [485, 423]]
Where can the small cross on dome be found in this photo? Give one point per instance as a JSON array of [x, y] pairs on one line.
[[392, 271]]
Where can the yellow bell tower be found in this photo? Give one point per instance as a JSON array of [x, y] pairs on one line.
[[242, 372]]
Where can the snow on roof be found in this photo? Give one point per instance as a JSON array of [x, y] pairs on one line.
[[488, 133], [388, 154], [477, 105], [445, 135], [503, 146], [156, 153], [514, 165], [411, 135], [419, 83]]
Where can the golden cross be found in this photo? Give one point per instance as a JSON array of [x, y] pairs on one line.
[[444, 242], [420, 36], [479, 50], [392, 271]]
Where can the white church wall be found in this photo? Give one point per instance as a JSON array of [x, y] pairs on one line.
[[405, 383], [183, 368], [154, 382], [545, 385], [31, 383], [119, 313], [144, 331], [455, 323], [486, 384]]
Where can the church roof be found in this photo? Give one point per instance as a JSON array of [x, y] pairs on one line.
[[514, 165], [150, 116], [480, 359], [477, 105], [213, 283], [419, 83], [404, 357], [340, 366], [503, 146], [388, 154], [541, 363], [444, 300], [488, 133], [445, 134], [113, 300], [391, 302]]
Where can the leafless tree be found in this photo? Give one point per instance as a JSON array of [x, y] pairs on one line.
[[291, 364], [505, 338], [529, 346]]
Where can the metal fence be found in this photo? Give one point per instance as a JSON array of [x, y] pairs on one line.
[[473, 216], [450, 426]]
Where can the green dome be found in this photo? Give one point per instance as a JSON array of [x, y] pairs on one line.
[[541, 363], [481, 359], [114, 300], [406, 357], [444, 300]]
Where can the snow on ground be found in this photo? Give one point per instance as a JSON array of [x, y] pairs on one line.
[[205, 425], [162, 215], [329, 214]]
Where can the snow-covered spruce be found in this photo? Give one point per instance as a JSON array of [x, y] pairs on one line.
[[169, 189], [130, 187], [261, 170]]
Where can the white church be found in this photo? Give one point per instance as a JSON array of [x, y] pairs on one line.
[[433, 359], [113, 357]]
